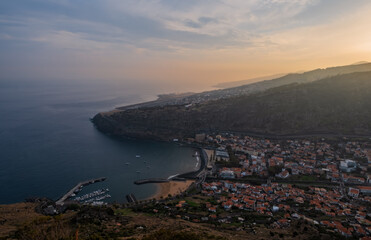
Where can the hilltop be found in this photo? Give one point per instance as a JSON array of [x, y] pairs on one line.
[[335, 105]]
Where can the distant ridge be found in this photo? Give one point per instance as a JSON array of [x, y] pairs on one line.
[[261, 86], [360, 62], [248, 81]]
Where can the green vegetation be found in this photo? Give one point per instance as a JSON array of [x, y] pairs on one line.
[[192, 204], [47, 228], [124, 211], [114, 222]]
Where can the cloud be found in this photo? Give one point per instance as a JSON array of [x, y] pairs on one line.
[[193, 24], [136, 33]]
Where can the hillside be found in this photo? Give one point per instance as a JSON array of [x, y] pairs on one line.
[[252, 88], [335, 105], [118, 222], [301, 76]]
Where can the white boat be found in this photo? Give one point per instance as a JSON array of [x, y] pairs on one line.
[[127, 163], [138, 156]]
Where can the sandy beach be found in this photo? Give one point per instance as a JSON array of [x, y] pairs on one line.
[[172, 187]]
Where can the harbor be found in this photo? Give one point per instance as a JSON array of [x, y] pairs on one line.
[[94, 198], [97, 196], [198, 174], [77, 189]]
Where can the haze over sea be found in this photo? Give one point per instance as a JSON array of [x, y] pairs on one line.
[[48, 144]]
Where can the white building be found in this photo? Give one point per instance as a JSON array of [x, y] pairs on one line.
[[348, 165], [227, 174]]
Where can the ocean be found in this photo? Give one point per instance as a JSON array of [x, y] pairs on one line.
[[48, 144]]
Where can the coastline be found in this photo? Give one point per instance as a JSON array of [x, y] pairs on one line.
[[171, 187]]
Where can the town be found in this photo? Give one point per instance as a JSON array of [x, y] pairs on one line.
[[249, 181]]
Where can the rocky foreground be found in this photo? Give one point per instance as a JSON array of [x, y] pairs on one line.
[[20, 221]]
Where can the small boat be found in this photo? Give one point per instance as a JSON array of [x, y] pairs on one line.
[[137, 156], [145, 161], [127, 163], [138, 171]]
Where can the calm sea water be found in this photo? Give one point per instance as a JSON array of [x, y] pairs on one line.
[[48, 144]]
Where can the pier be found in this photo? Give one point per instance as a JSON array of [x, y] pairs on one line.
[[151, 180], [131, 198], [77, 188]]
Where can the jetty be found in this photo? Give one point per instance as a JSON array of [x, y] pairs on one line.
[[151, 180], [77, 188], [131, 198]]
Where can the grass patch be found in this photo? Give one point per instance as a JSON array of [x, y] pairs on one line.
[[124, 212], [192, 203]]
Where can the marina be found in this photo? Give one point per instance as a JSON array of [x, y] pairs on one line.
[[92, 195], [96, 199], [77, 189]]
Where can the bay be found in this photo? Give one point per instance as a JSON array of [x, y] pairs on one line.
[[48, 144]]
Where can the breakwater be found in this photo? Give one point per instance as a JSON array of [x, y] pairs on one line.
[[151, 180]]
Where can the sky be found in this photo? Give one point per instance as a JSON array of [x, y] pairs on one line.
[[196, 43]]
